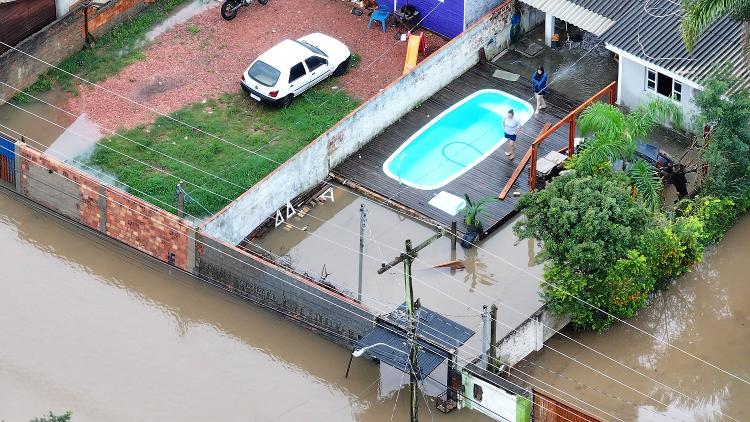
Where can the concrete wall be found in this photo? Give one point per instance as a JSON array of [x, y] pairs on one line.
[[633, 92], [57, 41], [64, 6], [334, 314], [529, 336], [74, 194], [311, 165]]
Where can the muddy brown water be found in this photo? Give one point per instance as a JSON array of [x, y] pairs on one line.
[[706, 312], [97, 329]]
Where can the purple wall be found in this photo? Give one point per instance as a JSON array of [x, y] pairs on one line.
[[447, 19]]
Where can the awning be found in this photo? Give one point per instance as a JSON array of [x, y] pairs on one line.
[[437, 335], [571, 12]]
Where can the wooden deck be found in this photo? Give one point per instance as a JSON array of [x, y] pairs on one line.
[[485, 179]]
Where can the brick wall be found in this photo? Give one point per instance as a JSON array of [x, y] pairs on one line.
[[121, 216], [57, 41], [58, 186], [146, 227]]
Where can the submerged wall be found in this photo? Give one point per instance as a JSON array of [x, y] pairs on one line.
[[312, 164], [75, 195], [529, 336]]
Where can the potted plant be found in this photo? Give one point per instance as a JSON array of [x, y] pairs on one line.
[[472, 211]]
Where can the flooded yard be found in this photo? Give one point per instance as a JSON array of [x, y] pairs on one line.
[[706, 313], [326, 241], [99, 330]]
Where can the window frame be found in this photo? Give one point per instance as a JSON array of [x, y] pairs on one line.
[[323, 61], [291, 69], [652, 84]]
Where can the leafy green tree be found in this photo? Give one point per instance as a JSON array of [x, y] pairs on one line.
[[51, 417], [725, 107], [615, 136], [699, 14], [590, 228]]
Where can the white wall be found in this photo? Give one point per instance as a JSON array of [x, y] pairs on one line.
[[495, 400], [530, 336], [311, 165], [633, 92], [63, 6]]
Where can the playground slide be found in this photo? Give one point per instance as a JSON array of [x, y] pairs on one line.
[[415, 43]]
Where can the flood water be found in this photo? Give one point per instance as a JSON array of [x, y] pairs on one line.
[[99, 330], [706, 312], [326, 241]]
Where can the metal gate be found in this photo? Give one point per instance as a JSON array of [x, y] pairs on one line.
[[547, 409], [7, 161]]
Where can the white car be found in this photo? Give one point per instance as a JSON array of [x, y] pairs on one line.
[[292, 66]]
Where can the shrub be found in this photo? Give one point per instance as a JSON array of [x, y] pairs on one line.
[[716, 214], [671, 249]]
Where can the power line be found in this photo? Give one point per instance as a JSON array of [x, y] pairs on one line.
[[490, 298], [536, 277], [242, 294], [501, 304]]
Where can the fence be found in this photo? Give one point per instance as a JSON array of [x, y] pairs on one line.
[[547, 409], [21, 18], [532, 154]]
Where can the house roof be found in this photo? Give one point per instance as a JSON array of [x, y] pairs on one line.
[[653, 35], [595, 16]]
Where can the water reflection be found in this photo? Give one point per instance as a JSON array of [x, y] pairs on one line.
[[707, 313]]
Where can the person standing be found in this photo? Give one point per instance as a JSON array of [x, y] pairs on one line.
[[539, 84], [510, 126]]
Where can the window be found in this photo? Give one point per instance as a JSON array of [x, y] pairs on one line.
[[312, 48], [663, 85], [314, 62], [478, 392], [264, 73], [296, 72]]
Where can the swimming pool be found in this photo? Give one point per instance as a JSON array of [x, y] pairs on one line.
[[456, 140]]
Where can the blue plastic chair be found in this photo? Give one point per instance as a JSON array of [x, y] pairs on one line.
[[379, 15]]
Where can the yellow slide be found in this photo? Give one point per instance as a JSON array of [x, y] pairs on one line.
[[414, 45]]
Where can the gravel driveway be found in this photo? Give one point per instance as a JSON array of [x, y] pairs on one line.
[[186, 66]]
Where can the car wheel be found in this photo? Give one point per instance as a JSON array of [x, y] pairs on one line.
[[342, 68], [286, 102]]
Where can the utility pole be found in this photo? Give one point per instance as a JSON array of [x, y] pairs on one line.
[[407, 257], [362, 222], [493, 338], [485, 335], [181, 199]]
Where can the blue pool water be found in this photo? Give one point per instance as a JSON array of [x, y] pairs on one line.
[[456, 140]]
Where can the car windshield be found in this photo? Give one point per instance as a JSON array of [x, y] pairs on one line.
[[312, 48], [264, 73]]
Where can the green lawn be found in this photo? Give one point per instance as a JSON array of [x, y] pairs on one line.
[[112, 52], [276, 134]]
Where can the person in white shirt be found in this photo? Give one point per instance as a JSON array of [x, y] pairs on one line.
[[510, 126]]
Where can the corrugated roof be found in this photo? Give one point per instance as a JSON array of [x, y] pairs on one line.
[[435, 333], [654, 36], [589, 15]]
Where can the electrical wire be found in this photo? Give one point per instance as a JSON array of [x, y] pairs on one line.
[[232, 290]]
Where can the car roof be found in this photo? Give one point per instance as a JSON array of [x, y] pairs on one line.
[[285, 54]]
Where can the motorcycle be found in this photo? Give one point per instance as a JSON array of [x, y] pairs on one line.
[[230, 7]]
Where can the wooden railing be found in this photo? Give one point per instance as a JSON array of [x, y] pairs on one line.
[[532, 154]]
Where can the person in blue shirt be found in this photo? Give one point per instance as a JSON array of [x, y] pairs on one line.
[[539, 84]]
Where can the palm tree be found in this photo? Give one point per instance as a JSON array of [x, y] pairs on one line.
[[615, 136], [699, 14]]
